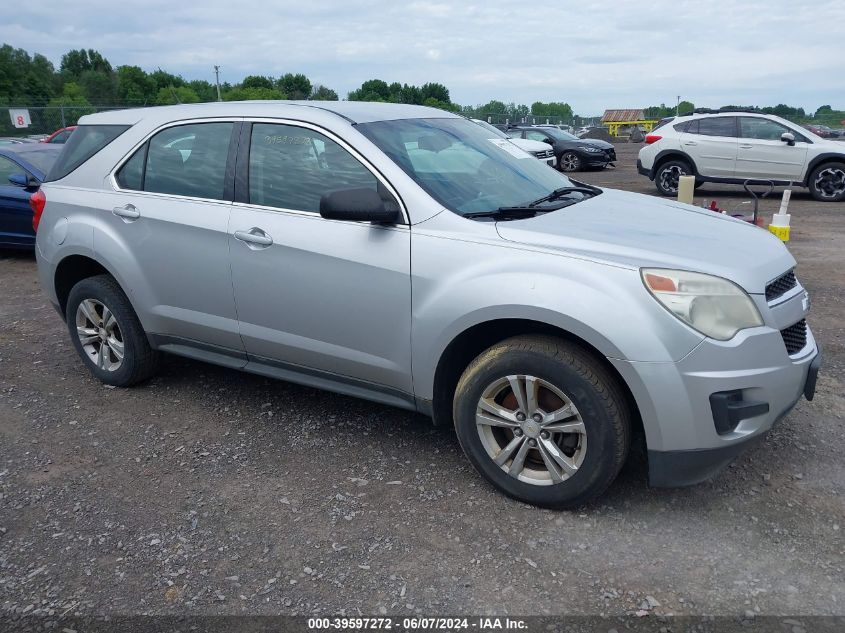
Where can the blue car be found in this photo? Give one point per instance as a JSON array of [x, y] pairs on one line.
[[22, 170]]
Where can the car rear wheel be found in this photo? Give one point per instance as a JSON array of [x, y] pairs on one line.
[[569, 161], [543, 421], [107, 334], [668, 176], [827, 182]]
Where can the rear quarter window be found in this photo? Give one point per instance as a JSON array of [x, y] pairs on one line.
[[86, 141]]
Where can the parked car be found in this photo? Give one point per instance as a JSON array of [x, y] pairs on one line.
[[60, 136], [821, 131], [22, 170], [537, 149], [735, 147], [14, 140], [572, 153], [392, 252]]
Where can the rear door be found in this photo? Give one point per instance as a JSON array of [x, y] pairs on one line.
[[311, 293], [762, 154], [15, 212], [167, 223], [711, 142]]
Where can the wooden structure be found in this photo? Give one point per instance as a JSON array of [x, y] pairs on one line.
[[615, 119]]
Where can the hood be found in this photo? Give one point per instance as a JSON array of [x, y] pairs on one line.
[[636, 230], [597, 142]]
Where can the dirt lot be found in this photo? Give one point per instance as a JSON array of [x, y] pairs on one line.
[[210, 491]]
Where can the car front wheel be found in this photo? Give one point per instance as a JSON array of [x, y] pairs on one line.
[[570, 161], [668, 176], [107, 334], [543, 421], [827, 182]]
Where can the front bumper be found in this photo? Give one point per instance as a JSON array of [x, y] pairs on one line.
[[642, 171], [688, 437], [598, 159], [669, 469]]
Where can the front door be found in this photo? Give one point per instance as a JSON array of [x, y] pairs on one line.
[[15, 212], [317, 294], [762, 154]]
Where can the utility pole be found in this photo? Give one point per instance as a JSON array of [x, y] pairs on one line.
[[217, 80], [677, 107]]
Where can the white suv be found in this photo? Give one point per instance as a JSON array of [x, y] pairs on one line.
[[732, 147]]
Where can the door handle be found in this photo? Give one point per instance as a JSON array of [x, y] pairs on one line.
[[128, 212], [254, 236], [746, 147], [691, 143]]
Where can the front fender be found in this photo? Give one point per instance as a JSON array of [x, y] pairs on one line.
[[468, 284]]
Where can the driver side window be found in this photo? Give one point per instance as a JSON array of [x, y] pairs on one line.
[[536, 136], [293, 167]]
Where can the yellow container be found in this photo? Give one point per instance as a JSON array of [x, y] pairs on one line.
[[782, 232]]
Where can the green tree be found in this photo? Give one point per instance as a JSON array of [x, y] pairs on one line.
[[206, 91], [257, 81], [252, 94], [321, 93], [435, 91], [76, 62], [162, 79], [171, 95], [98, 87], [134, 86], [295, 86], [371, 90]]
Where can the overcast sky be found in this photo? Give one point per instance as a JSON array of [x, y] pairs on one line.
[[593, 55]]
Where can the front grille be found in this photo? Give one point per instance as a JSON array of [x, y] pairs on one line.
[[795, 337], [544, 154], [781, 286]]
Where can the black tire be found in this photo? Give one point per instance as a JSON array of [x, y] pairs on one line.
[[569, 161], [588, 385], [139, 360], [827, 182], [666, 176]]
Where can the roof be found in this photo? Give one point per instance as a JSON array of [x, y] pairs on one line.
[[614, 116], [352, 111]]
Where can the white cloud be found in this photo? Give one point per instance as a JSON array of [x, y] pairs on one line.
[[755, 52]]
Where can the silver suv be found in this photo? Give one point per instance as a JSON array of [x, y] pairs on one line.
[[396, 253]]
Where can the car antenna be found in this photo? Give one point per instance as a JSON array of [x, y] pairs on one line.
[[172, 90]]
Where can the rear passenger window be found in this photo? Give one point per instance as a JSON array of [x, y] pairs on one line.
[[717, 126], [131, 175], [189, 160], [292, 168]]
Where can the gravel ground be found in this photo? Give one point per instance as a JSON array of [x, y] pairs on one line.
[[207, 491]]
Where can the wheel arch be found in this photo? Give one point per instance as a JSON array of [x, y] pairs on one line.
[[672, 154], [473, 340], [74, 268], [821, 159]]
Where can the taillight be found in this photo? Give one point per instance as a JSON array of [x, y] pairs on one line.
[[652, 138], [37, 202]]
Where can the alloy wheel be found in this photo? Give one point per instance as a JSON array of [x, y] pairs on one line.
[[670, 177], [531, 430], [99, 335], [569, 162], [830, 182]]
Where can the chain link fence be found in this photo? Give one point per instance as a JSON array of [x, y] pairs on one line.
[[43, 120]]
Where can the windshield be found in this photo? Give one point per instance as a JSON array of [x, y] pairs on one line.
[[461, 167], [560, 134], [490, 128]]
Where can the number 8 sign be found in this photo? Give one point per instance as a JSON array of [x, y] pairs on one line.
[[20, 118]]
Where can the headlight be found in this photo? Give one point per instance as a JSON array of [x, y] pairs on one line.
[[590, 148], [716, 307]]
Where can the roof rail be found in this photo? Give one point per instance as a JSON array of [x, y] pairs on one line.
[[727, 109]]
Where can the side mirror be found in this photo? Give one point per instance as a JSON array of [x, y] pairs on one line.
[[549, 141], [24, 180], [788, 138], [356, 205]]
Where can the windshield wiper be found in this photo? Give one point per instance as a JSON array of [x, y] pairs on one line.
[[506, 213], [562, 191]]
